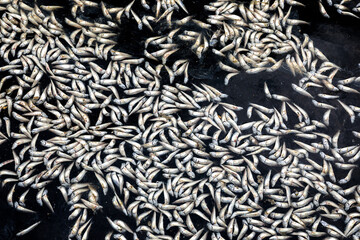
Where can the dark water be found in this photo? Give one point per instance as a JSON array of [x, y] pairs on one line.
[[338, 38]]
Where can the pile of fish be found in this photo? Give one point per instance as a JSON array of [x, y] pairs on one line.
[[102, 124], [345, 7]]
